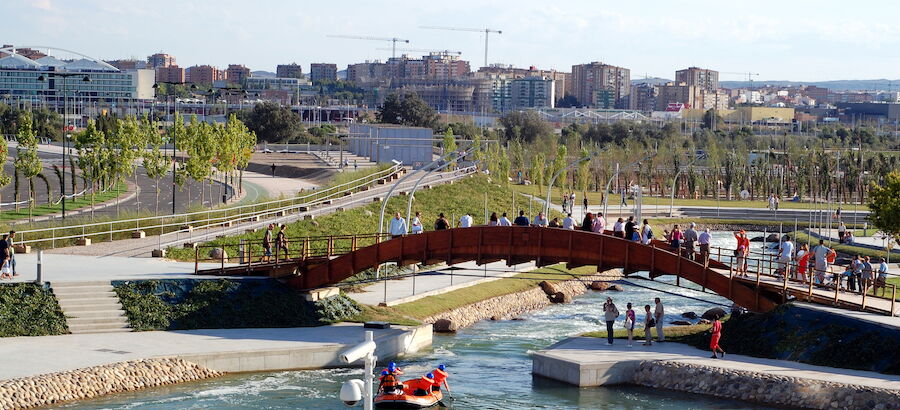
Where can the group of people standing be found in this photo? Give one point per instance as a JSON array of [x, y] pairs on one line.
[[652, 320], [8, 255], [568, 202]]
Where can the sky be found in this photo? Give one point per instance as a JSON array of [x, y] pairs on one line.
[[796, 40]]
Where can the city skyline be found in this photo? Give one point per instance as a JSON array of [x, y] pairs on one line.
[[798, 43]]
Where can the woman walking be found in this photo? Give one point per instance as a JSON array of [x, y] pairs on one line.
[[610, 313], [629, 324]]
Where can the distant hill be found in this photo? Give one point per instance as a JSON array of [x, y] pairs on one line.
[[262, 74], [836, 85], [651, 80]]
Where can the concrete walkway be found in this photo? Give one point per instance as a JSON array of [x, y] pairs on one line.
[[592, 353], [227, 349], [435, 282], [86, 268]]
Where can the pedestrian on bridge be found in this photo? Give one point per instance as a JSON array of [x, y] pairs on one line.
[[784, 256], [398, 226], [416, 224], [599, 223], [267, 243], [493, 220], [587, 224], [619, 228], [703, 240], [281, 242], [504, 220], [676, 237], [441, 223], [820, 252], [741, 252], [881, 280], [465, 221], [568, 222], [610, 313], [631, 230], [646, 233], [522, 220], [803, 262], [690, 237], [540, 220]]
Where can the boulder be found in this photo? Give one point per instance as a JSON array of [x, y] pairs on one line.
[[680, 322], [218, 253], [560, 297], [689, 315], [617, 288], [548, 288], [495, 317], [445, 325], [714, 313], [773, 237], [599, 285], [518, 318], [756, 239]]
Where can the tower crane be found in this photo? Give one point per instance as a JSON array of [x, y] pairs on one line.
[[424, 50], [393, 40], [486, 32]]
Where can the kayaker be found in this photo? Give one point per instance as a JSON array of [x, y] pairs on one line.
[[440, 377]]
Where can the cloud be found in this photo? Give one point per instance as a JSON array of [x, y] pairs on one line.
[[46, 5]]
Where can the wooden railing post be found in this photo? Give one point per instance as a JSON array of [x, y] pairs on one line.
[[305, 253], [809, 295], [353, 244], [196, 260], [837, 287]]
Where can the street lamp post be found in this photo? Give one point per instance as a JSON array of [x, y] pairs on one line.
[[174, 133], [416, 186], [64, 76], [553, 180], [615, 174], [675, 182]]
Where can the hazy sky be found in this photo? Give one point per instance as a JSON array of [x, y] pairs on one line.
[[780, 40]]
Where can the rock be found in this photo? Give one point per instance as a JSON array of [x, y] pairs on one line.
[[714, 313], [703, 322], [518, 318], [617, 288], [560, 297], [599, 285], [445, 325], [218, 253], [548, 288], [756, 239], [680, 322], [495, 317], [689, 315], [773, 237]]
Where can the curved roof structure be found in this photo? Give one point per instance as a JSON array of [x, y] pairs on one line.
[[84, 63], [50, 61], [18, 61]]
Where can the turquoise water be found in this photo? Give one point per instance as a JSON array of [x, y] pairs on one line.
[[489, 365]]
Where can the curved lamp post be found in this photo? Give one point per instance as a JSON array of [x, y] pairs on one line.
[[675, 181], [553, 180], [608, 183], [416, 186]]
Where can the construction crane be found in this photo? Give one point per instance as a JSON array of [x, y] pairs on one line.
[[749, 77], [393, 40], [423, 50], [486, 32]]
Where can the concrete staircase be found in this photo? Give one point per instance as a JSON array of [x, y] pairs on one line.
[[90, 307]]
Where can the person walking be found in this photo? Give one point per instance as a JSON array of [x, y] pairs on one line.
[[540, 220], [624, 196], [690, 237], [493, 220], [881, 280], [619, 228], [416, 224], [441, 223], [465, 221], [714, 339], [587, 224], [820, 253], [599, 223], [630, 230], [803, 262], [572, 201], [267, 243], [584, 202], [784, 256], [868, 275], [857, 264], [504, 221], [397, 226], [522, 220], [649, 323], [12, 252], [646, 233], [565, 202], [629, 324], [703, 241], [610, 313], [568, 222], [842, 231], [281, 242], [658, 316]]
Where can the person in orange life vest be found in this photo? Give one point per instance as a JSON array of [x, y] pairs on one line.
[[422, 387], [393, 369], [440, 377], [389, 384], [714, 340]]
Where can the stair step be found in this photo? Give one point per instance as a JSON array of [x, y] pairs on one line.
[[74, 292], [87, 299], [106, 307], [97, 329], [113, 321], [79, 284], [108, 313]]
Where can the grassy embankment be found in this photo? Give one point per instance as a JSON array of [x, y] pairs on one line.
[[466, 196], [82, 202]]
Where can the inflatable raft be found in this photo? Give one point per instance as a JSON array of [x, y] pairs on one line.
[[408, 400]]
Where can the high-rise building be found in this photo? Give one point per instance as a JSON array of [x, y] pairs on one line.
[[601, 85], [717, 99], [702, 78], [562, 80], [643, 97], [292, 70], [160, 60], [532, 92], [204, 74], [322, 72], [237, 73], [170, 74], [681, 93], [445, 65], [369, 71]]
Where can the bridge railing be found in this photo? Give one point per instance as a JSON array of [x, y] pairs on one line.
[[186, 223]]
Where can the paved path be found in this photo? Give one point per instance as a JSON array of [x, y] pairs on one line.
[[434, 282], [85, 268], [586, 351], [876, 241], [29, 356]]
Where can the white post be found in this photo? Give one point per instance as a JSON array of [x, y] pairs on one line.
[[368, 395]]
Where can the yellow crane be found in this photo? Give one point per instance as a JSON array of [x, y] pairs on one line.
[[486, 32]]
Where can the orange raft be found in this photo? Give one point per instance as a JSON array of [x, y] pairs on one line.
[[416, 394]]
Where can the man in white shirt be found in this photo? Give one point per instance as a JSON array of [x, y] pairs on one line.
[[398, 226], [568, 222], [416, 224], [619, 228], [504, 221], [703, 240], [786, 254], [540, 220], [465, 221]]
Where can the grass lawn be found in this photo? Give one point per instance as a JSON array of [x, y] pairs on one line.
[[595, 198], [383, 314], [43, 209], [432, 305]]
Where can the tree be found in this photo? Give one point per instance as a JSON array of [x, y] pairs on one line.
[[407, 109], [884, 205], [273, 122], [92, 157], [4, 151], [449, 144], [538, 163], [567, 102], [27, 161], [527, 125], [584, 175], [712, 120], [128, 142], [559, 163], [200, 147], [155, 162]]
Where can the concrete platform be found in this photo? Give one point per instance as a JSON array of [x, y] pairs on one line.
[[587, 361], [227, 350]]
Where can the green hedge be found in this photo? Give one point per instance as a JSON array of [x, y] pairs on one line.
[[223, 304], [27, 309]]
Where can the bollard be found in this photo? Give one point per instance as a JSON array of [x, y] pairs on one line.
[[40, 274]]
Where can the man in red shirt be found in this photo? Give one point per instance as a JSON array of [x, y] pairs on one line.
[[714, 341]]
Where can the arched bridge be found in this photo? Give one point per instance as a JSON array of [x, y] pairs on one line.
[[337, 258]]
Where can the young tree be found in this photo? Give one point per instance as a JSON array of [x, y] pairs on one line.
[[584, 172], [538, 163], [128, 143], [4, 151], [884, 205], [92, 157], [449, 144], [200, 147], [155, 162], [27, 161]]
